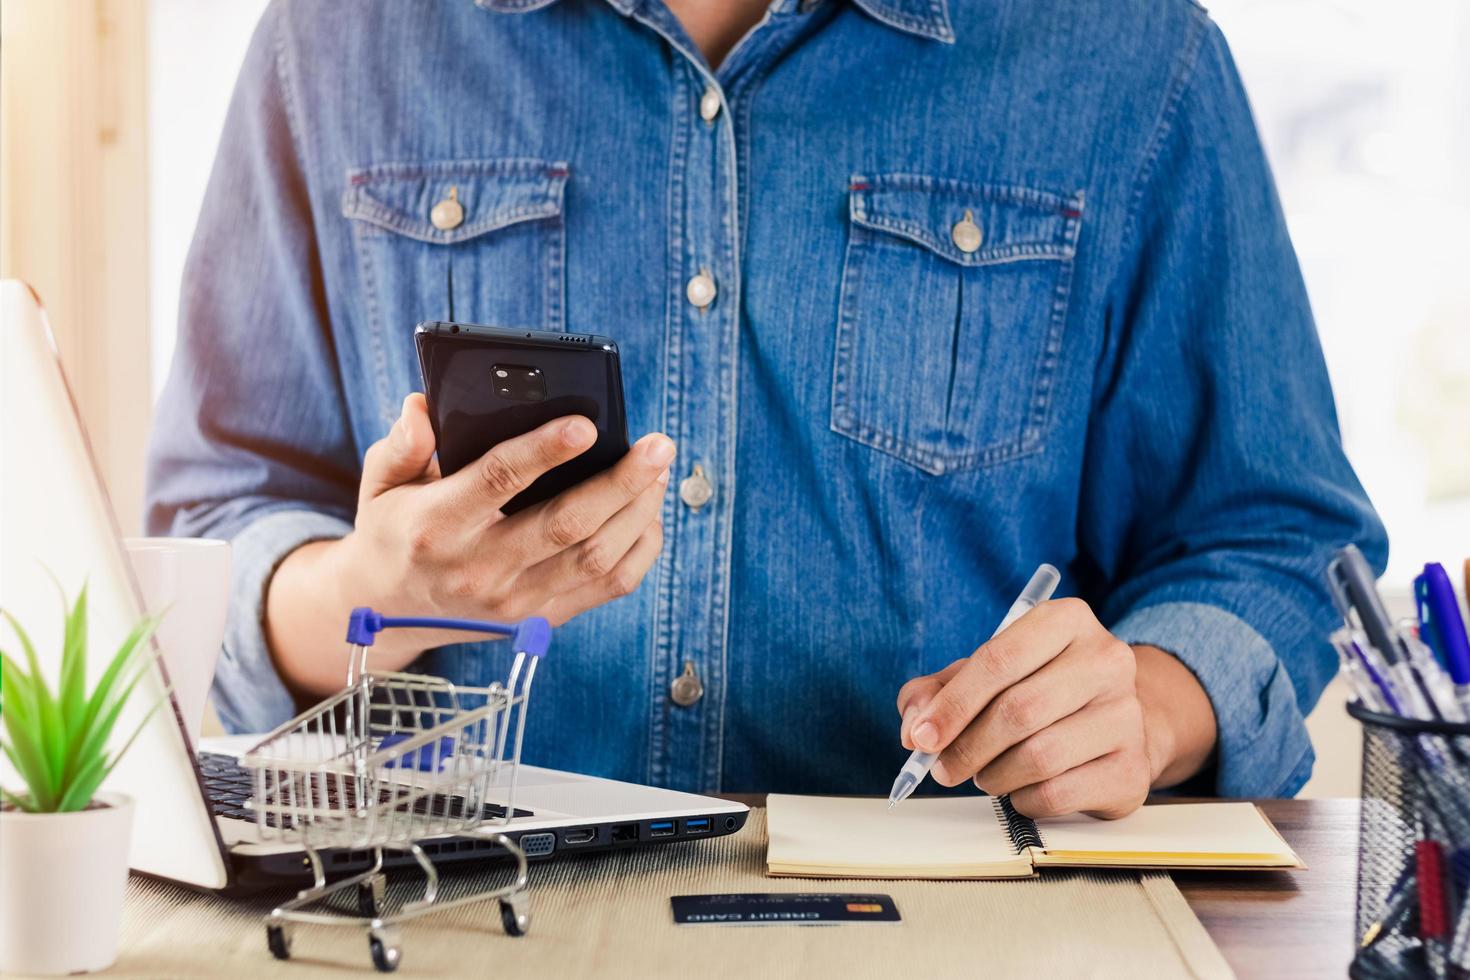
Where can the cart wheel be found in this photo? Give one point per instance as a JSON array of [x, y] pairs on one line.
[[386, 952], [278, 941], [370, 896], [515, 921]]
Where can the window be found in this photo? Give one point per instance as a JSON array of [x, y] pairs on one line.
[[1364, 108]]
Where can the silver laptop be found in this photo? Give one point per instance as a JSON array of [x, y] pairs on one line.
[[193, 822]]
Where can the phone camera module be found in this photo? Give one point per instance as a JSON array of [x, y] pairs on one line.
[[519, 383]]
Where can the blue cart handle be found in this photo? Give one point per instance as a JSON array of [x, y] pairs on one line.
[[531, 636]]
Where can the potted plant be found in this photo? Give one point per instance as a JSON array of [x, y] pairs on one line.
[[63, 844]]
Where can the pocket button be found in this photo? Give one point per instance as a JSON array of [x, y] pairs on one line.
[[448, 213], [966, 234]]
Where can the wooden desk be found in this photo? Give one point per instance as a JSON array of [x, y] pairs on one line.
[[1288, 924]]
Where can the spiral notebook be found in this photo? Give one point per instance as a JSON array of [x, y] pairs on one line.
[[984, 837]]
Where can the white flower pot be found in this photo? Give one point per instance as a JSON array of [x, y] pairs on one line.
[[62, 881]]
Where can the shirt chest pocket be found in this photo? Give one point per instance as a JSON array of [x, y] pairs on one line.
[[953, 302], [484, 234]]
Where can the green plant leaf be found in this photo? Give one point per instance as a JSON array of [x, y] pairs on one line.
[[29, 764], [10, 754], [24, 727], [32, 664], [109, 698], [95, 740], [22, 698], [48, 715], [71, 690], [58, 745], [19, 802], [79, 791], [71, 683], [117, 756], [108, 681]]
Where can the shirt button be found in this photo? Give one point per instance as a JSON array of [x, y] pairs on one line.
[[966, 234], [695, 489], [701, 290], [448, 213], [687, 688], [709, 105]]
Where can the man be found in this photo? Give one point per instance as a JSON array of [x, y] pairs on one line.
[[921, 294]]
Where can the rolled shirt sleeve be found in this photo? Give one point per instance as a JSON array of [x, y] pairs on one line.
[[1260, 725], [251, 441], [248, 694], [1216, 487]]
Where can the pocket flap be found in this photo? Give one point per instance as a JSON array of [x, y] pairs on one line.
[[400, 197], [1002, 223]]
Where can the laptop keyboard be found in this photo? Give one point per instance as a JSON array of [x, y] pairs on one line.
[[230, 785]]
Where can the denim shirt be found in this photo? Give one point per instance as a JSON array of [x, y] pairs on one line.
[[996, 282]]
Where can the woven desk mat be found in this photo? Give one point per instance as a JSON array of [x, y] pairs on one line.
[[608, 916]]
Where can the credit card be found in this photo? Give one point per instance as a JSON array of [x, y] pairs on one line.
[[781, 909]]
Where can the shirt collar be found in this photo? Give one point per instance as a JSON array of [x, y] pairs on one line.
[[925, 18]]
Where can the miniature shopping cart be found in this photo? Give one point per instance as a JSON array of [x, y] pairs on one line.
[[392, 759]]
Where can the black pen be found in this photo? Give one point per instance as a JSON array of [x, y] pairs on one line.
[[1350, 572]]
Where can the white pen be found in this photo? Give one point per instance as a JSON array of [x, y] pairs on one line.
[[1043, 583], [1444, 699]]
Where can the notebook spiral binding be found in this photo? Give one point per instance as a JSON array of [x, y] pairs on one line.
[[1022, 829]]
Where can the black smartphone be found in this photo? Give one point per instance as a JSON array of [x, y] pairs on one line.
[[489, 384]]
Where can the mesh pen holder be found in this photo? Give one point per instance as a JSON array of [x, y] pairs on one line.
[[1413, 907]]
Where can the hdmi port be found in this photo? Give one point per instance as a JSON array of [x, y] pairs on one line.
[[584, 836]]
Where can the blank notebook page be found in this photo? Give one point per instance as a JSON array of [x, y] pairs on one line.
[[946, 837], [1175, 834]]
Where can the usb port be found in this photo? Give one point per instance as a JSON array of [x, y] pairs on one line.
[[663, 828], [700, 826], [582, 836]]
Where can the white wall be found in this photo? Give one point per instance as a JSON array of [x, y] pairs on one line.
[[195, 51]]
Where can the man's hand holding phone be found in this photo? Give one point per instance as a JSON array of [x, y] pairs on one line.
[[433, 545]]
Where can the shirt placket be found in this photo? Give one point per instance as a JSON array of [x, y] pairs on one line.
[[702, 344]]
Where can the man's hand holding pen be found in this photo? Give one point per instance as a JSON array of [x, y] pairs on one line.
[[1062, 715]]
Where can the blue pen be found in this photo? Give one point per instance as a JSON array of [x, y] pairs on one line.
[[1440, 624], [1426, 619]]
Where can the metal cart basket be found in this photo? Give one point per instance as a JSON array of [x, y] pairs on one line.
[[392, 759]]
